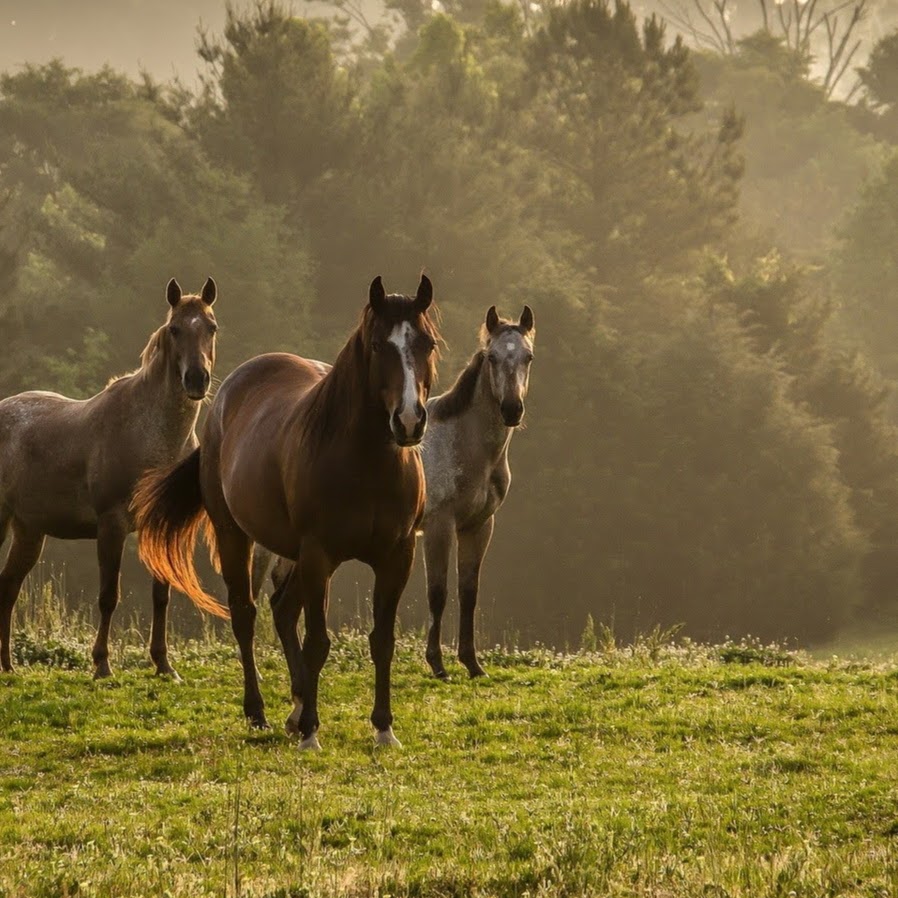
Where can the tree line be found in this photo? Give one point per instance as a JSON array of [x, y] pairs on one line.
[[708, 240]]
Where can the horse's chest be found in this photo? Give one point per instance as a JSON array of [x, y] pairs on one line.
[[480, 498], [370, 522]]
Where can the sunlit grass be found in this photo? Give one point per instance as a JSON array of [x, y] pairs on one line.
[[630, 771]]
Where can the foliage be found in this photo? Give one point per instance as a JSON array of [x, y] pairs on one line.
[[866, 274], [109, 198], [805, 157], [701, 446]]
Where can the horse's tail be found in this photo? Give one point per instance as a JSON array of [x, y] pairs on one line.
[[169, 511]]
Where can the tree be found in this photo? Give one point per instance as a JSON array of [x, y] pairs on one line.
[[276, 103], [812, 30], [108, 199], [791, 324], [805, 156], [606, 110]]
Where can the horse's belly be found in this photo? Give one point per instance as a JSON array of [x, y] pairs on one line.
[[59, 507]]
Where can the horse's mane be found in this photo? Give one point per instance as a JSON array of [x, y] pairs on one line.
[[341, 395], [155, 345], [460, 395]]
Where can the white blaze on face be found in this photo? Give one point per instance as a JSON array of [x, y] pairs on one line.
[[401, 337], [510, 370]]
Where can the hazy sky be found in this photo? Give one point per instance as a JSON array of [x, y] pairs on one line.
[[160, 35], [157, 35]]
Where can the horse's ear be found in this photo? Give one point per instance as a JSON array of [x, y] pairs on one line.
[[492, 319], [210, 291], [173, 292], [424, 296], [526, 322], [377, 296]]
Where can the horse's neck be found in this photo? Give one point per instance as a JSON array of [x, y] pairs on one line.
[[168, 406], [492, 434], [347, 412]]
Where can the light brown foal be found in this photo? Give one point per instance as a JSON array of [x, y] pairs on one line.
[[68, 468]]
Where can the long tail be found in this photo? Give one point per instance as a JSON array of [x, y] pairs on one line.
[[168, 507]]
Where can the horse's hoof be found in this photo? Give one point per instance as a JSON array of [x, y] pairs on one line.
[[258, 723], [169, 673], [102, 671], [474, 668], [441, 675], [310, 743], [386, 737]]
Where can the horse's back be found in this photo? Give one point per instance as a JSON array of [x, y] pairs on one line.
[[44, 456], [256, 393], [247, 436]]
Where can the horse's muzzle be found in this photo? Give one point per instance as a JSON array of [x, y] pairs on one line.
[[401, 433], [196, 382], [512, 411]]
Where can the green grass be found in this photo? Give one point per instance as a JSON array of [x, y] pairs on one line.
[[649, 771]]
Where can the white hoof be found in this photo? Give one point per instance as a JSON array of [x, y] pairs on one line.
[[291, 726], [310, 744], [386, 737]]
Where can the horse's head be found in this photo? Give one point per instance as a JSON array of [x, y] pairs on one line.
[[190, 336], [401, 344], [509, 352]]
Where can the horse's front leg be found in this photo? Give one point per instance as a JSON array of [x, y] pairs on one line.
[[159, 632], [261, 563], [437, 548], [391, 575], [472, 546], [112, 529]]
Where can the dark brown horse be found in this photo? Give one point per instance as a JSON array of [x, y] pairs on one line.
[[68, 468], [317, 466]]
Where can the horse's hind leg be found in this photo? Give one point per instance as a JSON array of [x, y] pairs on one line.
[[158, 635], [112, 529], [472, 546], [261, 563], [437, 547], [23, 555], [303, 585], [235, 553]]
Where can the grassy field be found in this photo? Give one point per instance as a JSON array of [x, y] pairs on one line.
[[654, 770]]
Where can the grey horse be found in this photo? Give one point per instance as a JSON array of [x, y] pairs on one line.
[[466, 468], [68, 468], [465, 454]]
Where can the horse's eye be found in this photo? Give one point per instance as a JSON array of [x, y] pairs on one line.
[[494, 359], [214, 327], [528, 358], [174, 330], [429, 344]]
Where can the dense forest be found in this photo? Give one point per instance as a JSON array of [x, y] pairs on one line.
[[706, 231]]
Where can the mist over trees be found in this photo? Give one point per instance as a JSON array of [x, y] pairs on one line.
[[706, 235]]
